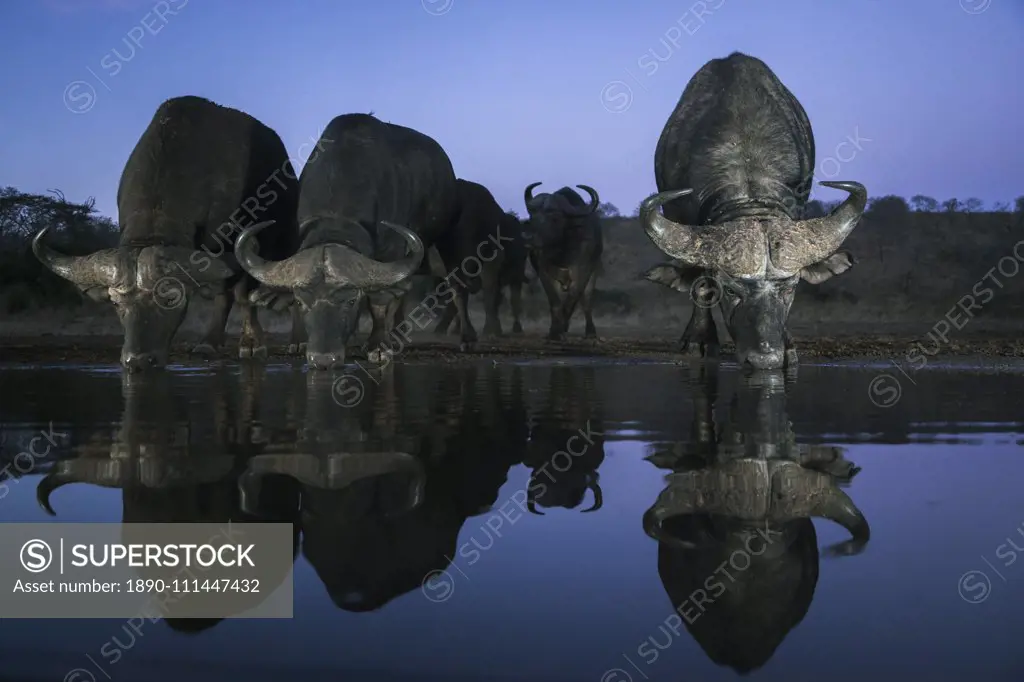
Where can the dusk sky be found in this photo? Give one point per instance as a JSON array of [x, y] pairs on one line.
[[559, 91]]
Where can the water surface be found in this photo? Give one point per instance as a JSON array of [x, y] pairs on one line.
[[705, 524]]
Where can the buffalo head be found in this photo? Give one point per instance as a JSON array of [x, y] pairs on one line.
[[568, 493], [551, 214], [754, 265], [328, 282], [150, 286]]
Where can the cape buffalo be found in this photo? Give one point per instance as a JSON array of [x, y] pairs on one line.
[[367, 174], [482, 225], [566, 446], [740, 501], [177, 461], [513, 272], [196, 167], [564, 237], [383, 506], [737, 155]]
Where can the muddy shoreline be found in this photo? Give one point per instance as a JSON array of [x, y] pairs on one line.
[[104, 349]]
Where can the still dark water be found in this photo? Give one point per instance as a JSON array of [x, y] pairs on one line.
[[646, 559]]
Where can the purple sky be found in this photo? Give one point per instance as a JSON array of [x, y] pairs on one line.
[[566, 92]]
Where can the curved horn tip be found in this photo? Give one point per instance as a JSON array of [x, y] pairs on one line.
[[40, 250], [598, 498], [595, 200], [39, 236], [248, 234], [43, 492], [405, 231], [255, 229], [846, 548], [845, 185], [528, 192], [671, 194], [659, 198]]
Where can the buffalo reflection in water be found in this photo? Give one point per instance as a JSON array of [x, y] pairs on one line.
[[566, 443], [746, 493], [173, 465], [388, 484]]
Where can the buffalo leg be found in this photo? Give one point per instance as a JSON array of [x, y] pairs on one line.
[[450, 261], [213, 339], [558, 323], [587, 303], [580, 280], [791, 354], [491, 287], [516, 302], [700, 339], [391, 312], [384, 307], [445, 321], [468, 333], [297, 341], [377, 303], [253, 343]]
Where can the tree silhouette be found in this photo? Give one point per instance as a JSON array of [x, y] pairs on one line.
[[924, 204], [814, 209], [890, 207], [951, 205], [974, 205], [608, 210]]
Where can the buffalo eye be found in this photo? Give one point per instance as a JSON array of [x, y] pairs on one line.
[[304, 299]]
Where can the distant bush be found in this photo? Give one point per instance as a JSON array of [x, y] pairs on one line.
[[75, 228]]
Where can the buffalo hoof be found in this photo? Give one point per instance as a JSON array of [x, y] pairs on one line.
[[204, 349], [378, 356], [297, 349], [697, 348], [555, 336], [517, 328], [256, 353], [466, 347]]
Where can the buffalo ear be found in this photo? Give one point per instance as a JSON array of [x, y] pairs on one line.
[[836, 264], [207, 291], [673, 276], [276, 299], [98, 294]]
